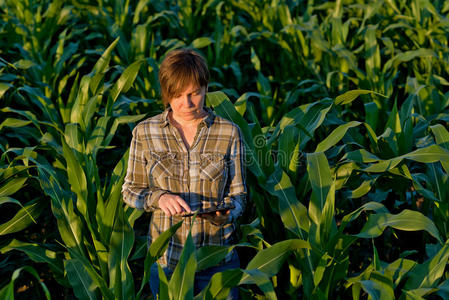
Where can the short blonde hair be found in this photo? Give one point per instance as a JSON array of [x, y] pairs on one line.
[[179, 69]]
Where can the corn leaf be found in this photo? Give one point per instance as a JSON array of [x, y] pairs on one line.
[[372, 53], [122, 240], [430, 154], [80, 261], [209, 256], [97, 136], [224, 107], [418, 294], [124, 83], [262, 281], [379, 287], [364, 187], [4, 87], [78, 107], [103, 61], [77, 180], [44, 103], [72, 137], [155, 250], [37, 253], [428, 274], [4, 200], [327, 226], [321, 267], [113, 196], [269, 260], [443, 290], [335, 136], [12, 186], [117, 121], [220, 284], [83, 286], [375, 206], [201, 42], [321, 180], [288, 151], [371, 114], [293, 213], [398, 269], [163, 284], [442, 139], [407, 220], [14, 123], [407, 56], [307, 117], [69, 224], [350, 96], [181, 283], [24, 217], [7, 291]]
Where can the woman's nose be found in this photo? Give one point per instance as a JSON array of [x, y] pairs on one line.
[[189, 101]]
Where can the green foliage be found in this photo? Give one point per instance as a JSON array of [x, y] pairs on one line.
[[343, 107], [7, 292]]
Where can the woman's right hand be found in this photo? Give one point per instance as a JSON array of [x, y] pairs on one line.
[[172, 204]]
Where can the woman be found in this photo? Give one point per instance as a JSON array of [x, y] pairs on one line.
[[187, 159]]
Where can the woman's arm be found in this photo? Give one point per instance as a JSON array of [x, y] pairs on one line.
[[237, 176], [136, 190]]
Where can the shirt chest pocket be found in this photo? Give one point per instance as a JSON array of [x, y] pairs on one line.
[[212, 166], [165, 164]]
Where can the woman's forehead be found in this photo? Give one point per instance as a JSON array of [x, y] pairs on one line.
[[189, 88]]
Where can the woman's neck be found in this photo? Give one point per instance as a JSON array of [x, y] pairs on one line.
[[179, 122]]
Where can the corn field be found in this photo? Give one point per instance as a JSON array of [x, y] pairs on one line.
[[344, 109]]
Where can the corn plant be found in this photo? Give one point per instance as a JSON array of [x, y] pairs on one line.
[[13, 178], [317, 224], [7, 292], [344, 110], [91, 220]]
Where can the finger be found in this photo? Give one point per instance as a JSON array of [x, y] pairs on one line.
[[172, 210], [222, 212], [178, 205], [184, 205], [176, 208], [166, 211]]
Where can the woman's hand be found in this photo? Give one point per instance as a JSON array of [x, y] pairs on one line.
[[217, 218], [172, 204]]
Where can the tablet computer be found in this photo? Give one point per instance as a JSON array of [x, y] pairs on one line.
[[209, 210]]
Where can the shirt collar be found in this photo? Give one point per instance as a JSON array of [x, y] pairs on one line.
[[208, 121]]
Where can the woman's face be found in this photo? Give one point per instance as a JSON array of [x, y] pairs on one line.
[[189, 104]]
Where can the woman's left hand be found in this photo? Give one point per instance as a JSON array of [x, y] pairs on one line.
[[217, 218]]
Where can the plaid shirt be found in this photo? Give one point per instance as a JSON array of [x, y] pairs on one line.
[[211, 172]]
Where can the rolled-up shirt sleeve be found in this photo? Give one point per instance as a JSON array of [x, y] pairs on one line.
[[237, 176], [136, 190]]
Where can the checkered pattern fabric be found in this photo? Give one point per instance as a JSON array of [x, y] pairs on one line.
[[210, 173]]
